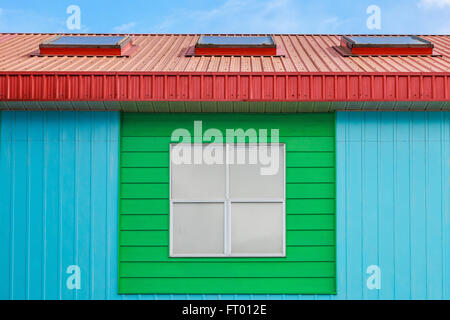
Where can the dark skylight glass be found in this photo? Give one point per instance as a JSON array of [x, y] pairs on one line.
[[237, 41], [97, 45], [385, 45], [388, 41], [87, 40]]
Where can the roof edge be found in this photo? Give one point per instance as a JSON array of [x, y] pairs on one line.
[[224, 87]]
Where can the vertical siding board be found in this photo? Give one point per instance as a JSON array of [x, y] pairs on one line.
[[402, 206], [354, 198], [445, 141], [83, 209], [386, 204], [434, 189], [341, 206], [52, 187], [67, 200], [99, 174], [370, 194], [20, 210], [418, 206], [112, 196], [35, 204], [6, 163]]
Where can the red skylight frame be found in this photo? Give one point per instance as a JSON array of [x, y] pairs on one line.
[[87, 46], [385, 45], [236, 46]]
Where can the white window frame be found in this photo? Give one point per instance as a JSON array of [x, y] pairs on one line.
[[227, 201]]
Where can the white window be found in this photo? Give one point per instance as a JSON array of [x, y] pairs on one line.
[[221, 208]]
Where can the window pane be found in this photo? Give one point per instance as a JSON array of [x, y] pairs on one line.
[[203, 181], [198, 228], [257, 228], [257, 172]]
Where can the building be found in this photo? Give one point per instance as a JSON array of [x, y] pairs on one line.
[[92, 207]]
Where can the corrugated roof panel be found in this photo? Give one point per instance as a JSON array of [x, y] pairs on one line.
[[167, 53]]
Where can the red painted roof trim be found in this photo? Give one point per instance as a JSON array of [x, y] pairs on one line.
[[257, 86]]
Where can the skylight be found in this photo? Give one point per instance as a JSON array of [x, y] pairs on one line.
[[86, 45], [236, 45], [386, 45]]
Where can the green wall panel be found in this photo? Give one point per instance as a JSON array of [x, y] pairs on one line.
[[310, 263]]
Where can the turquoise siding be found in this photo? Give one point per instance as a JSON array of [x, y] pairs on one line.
[[393, 203], [58, 199], [58, 205]]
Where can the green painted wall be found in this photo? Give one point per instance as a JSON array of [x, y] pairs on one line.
[[144, 263]]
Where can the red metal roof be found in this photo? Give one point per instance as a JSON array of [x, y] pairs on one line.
[[161, 69], [167, 53]]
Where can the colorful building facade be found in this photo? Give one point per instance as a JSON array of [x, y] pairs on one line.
[[87, 194]]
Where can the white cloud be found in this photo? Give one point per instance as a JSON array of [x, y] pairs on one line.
[[334, 24], [434, 4], [124, 28]]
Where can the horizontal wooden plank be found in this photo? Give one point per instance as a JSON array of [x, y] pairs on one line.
[[309, 144], [310, 191], [133, 144], [227, 270], [230, 286], [310, 206], [302, 175], [144, 191], [144, 159], [161, 238], [310, 238], [144, 222], [307, 124], [310, 222], [304, 253], [147, 175], [144, 206], [144, 238], [293, 144], [310, 159]]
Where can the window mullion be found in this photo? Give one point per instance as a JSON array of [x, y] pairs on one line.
[[227, 203]]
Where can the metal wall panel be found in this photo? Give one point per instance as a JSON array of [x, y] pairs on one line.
[[58, 200], [220, 86], [393, 204]]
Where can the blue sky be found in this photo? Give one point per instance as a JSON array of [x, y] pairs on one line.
[[227, 16]]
